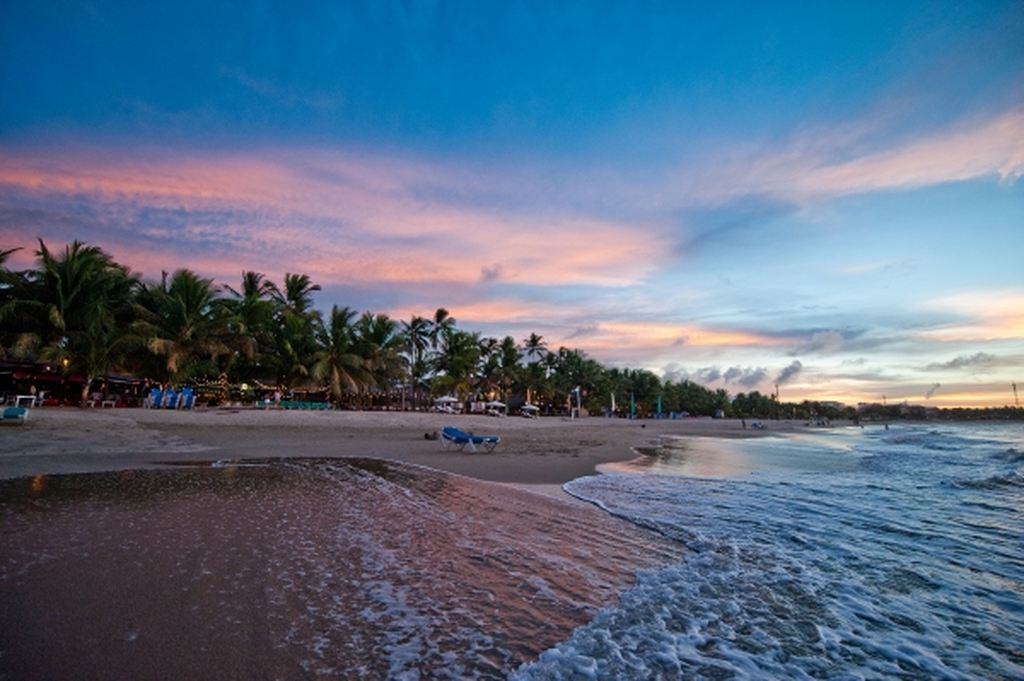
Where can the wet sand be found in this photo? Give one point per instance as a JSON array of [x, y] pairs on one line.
[[532, 451], [298, 569]]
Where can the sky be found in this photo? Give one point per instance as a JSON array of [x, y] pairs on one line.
[[827, 197]]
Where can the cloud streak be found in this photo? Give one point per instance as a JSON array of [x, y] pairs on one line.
[[978, 361]]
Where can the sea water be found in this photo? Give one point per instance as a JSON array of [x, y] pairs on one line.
[[848, 554]]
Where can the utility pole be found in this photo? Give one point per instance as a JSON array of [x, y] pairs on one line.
[[1015, 400]]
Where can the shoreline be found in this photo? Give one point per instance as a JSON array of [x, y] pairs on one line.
[[546, 451]]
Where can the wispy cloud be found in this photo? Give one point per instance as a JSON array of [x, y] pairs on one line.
[[285, 95], [993, 147], [821, 341], [820, 164], [979, 361]]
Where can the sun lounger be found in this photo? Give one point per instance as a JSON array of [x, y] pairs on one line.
[[170, 400], [15, 415], [453, 437], [187, 399]]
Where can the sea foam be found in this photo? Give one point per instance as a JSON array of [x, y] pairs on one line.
[[883, 570]]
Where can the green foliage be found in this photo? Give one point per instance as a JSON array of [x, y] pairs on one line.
[[74, 309], [187, 325], [81, 310], [338, 361]]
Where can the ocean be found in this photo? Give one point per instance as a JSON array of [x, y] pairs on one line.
[[842, 554], [838, 554]]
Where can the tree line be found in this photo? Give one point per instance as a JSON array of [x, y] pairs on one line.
[[80, 310]]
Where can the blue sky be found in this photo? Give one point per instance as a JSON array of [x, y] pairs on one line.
[[829, 193]]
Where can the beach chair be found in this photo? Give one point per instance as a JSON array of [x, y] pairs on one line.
[[170, 399], [15, 415], [453, 437], [155, 398], [187, 399]]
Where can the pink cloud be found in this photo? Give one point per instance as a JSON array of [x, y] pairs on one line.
[[995, 147], [819, 164], [346, 218]]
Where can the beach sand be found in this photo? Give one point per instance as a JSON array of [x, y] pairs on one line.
[[547, 451]]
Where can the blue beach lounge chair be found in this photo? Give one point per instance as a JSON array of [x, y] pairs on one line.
[[451, 436], [15, 415], [155, 399], [170, 399], [187, 399]]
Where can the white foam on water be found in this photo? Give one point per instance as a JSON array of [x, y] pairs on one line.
[[909, 565]]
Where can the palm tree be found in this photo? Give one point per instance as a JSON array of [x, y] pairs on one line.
[[253, 313], [442, 325], [509, 368], [79, 302], [416, 335], [457, 361], [187, 325], [379, 344], [255, 286], [297, 295], [538, 367], [338, 361], [294, 348], [535, 348], [13, 290], [489, 363], [8, 279], [294, 337]]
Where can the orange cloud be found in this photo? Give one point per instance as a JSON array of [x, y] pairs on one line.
[[664, 334], [987, 316]]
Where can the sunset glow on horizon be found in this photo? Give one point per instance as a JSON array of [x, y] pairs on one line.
[[825, 197]]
